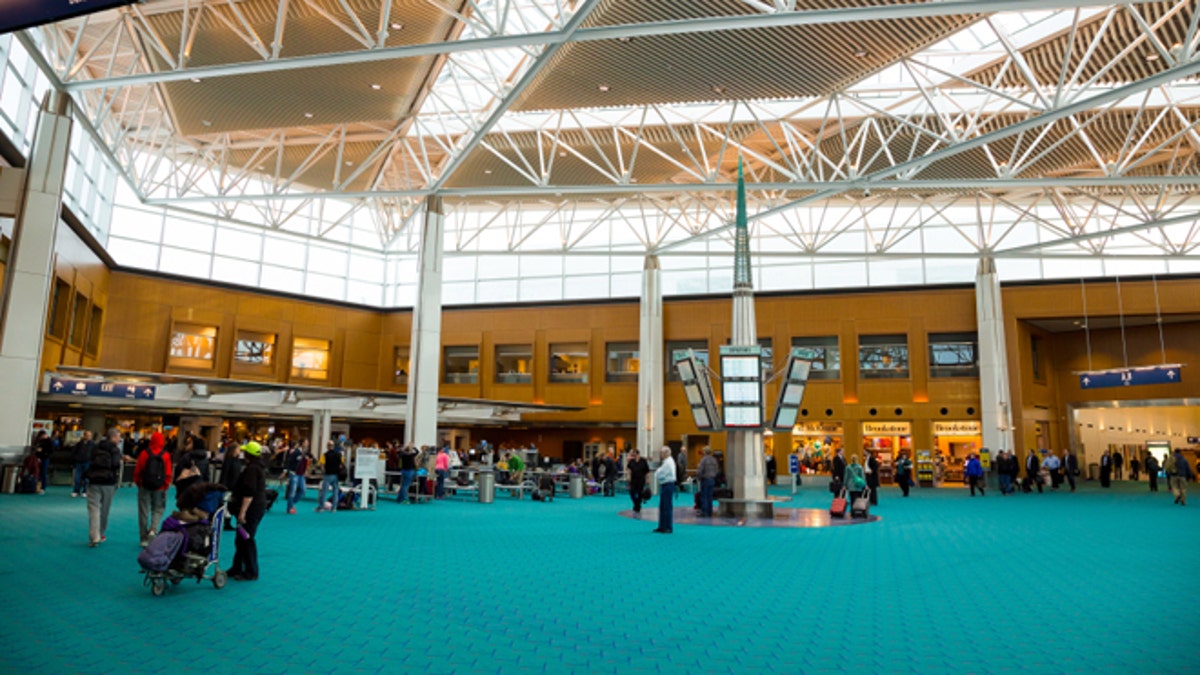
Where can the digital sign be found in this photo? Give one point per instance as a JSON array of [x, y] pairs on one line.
[[20, 14], [741, 386]]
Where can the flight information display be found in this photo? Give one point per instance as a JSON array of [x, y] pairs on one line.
[[21, 14]]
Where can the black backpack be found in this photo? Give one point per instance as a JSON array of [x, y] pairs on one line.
[[102, 469], [154, 472]]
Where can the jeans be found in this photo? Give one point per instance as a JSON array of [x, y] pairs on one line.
[[295, 488], [99, 501], [81, 477], [1071, 480], [329, 482], [666, 507], [706, 496], [1005, 483], [441, 483], [151, 504], [406, 479]]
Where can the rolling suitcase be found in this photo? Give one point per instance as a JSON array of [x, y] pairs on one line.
[[838, 508], [862, 506]]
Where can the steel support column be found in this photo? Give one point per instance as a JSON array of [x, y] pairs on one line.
[[651, 371], [995, 400], [421, 408]]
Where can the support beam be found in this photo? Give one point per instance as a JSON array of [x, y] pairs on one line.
[[29, 275], [425, 347], [651, 373], [995, 399]]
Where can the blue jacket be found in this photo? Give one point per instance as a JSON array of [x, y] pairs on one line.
[[974, 467]]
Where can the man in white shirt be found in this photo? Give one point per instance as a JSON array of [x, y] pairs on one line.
[[665, 476]]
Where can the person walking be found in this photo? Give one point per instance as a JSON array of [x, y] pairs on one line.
[[1105, 469], [681, 471], [1118, 463], [295, 465], [639, 468], [1152, 470], [1031, 472], [104, 472], [1070, 466], [904, 468], [43, 448], [871, 468], [665, 476], [152, 475], [231, 470], [1135, 468], [1054, 467], [1002, 459], [855, 479], [610, 475], [706, 473], [974, 471], [442, 469], [250, 500], [837, 474], [82, 457], [332, 462], [1180, 476], [408, 471]]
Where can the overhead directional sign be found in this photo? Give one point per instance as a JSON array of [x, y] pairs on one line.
[[1131, 377], [19, 14], [102, 389]]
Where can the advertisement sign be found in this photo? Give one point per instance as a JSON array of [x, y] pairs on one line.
[[887, 428], [102, 389], [20, 14]]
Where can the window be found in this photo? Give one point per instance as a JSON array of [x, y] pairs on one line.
[[514, 364], [622, 362], [882, 357], [827, 365], [400, 364], [254, 349], [461, 365], [192, 346], [79, 320], [93, 340], [953, 355], [310, 358], [59, 310], [1035, 353], [569, 362], [679, 348]]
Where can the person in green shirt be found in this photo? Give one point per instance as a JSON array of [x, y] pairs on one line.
[[516, 467], [856, 480]]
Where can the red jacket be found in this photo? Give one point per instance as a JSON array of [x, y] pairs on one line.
[[156, 447]]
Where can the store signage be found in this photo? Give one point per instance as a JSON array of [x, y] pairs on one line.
[[1193, 440], [1131, 377], [817, 429], [887, 428], [20, 14], [965, 428], [102, 389]]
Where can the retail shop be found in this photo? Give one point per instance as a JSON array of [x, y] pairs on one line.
[[887, 439], [816, 442]]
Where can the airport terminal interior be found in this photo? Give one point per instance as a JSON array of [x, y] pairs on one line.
[[525, 238]]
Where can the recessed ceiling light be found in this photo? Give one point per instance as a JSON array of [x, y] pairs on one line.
[[562, 153], [377, 87], [196, 80], [396, 25], [308, 115], [1152, 56], [718, 89], [488, 171], [625, 38], [603, 87], [349, 162], [861, 52], [206, 123]]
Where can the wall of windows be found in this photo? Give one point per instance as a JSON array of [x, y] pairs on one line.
[[882, 357]]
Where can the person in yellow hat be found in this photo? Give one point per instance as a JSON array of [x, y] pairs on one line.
[[249, 503]]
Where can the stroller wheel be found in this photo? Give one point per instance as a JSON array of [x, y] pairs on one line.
[[219, 579], [158, 587]]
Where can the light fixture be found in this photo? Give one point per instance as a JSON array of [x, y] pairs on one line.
[[487, 171], [349, 162], [1152, 56], [604, 88], [625, 38], [562, 153], [196, 80], [718, 89], [861, 52], [206, 123], [377, 86], [308, 115], [396, 25]]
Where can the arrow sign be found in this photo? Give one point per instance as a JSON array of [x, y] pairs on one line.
[[1131, 377], [102, 389]]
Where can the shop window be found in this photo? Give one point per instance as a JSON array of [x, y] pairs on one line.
[[94, 326], [882, 357], [192, 346], [60, 300], [310, 358], [1035, 353], [622, 362], [827, 364], [461, 365], [254, 349], [79, 320], [569, 362], [679, 348], [953, 355], [400, 364], [513, 364]]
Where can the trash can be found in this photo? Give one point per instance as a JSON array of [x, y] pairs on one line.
[[10, 478], [576, 486], [487, 487]]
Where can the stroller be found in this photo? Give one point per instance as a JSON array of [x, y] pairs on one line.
[[186, 550]]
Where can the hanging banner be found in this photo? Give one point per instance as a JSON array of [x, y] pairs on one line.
[[1131, 377], [19, 14]]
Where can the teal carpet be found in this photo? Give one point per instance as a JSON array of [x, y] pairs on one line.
[[1099, 582]]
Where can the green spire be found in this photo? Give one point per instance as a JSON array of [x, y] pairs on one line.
[[741, 237]]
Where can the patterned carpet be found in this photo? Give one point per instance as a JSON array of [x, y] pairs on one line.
[[1097, 581]]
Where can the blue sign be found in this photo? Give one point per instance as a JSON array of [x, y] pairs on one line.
[[794, 463], [1131, 377], [1193, 440], [102, 389], [20, 14]]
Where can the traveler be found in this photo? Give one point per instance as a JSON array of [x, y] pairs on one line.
[[231, 470], [43, 449], [104, 472], [1152, 469], [610, 476], [295, 465], [1002, 474], [152, 475], [1014, 471], [772, 468], [332, 462], [1032, 475], [855, 479], [408, 471], [1134, 468], [665, 476], [82, 456], [904, 467], [681, 474], [1118, 463], [1070, 467], [516, 467], [706, 473], [442, 469], [250, 500], [1180, 476], [974, 472], [639, 468], [1105, 469], [872, 470], [1051, 464], [837, 478], [194, 448]]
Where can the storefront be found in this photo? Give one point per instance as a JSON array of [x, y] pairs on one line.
[[953, 441], [815, 443], [887, 439]]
